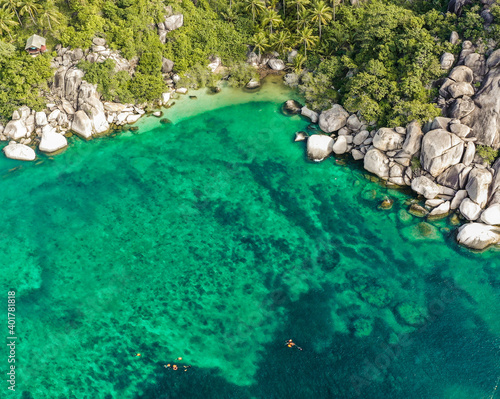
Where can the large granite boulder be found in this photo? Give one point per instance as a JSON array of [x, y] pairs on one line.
[[340, 145], [425, 186], [461, 108], [72, 82], [388, 140], [491, 215], [333, 119], [485, 119], [319, 147], [313, 116], [19, 151], [82, 125], [469, 209], [461, 74], [440, 150], [478, 236], [447, 60], [376, 162], [413, 138], [15, 129], [452, 177], [51, 140], [460, 89], [478, 186]]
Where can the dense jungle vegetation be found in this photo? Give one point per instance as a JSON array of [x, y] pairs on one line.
[[378, 57]]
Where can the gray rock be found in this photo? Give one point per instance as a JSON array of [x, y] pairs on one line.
[[72, 82], [340, 145], [440, 123], [440, 150], [451, 176], [167, 65], [300, 136], [276, 64], [460, 89], [425, 186], [51, 140], [99, 41], [440, 210], [333, 119], [460, 130], [469, 209], [291, 56], [313, 116], [173, 22], [461, 107], [396, 172], [82, 125], [357, 155], [477, 64], [387, 140], [478, 185], [19, 151], [15, 130], [469, 153], [292, 107], [454, 38], [462, 74], [491, 215], [377, 163], [413, 138], [458, 198], [478, 236], [77, 55], [353, 122], [253, 84], [447, 60], [319, 147], [361, 137]]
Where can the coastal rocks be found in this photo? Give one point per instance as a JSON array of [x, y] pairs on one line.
[[491, 215], [454, 177], [440, 150], [15, 129], [333, 119], [478, 186], [291, 107], [478, 236], [340, 145], [462, 74], [41, 119], [387, 140], [413, 138], [457, 199], [300, 136], [460, 89], [447, 60], [313, 116], [253, 84], [376, 162], [461, 107], [82, 125], [276, 64], [425, 186], [469, 209], [319, 147], [19, 151], [51, 140]]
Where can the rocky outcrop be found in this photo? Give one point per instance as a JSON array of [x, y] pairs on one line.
[[376, 162], [313, 116], [170, 23], [491, 215], [276, 64], [19, 151], [425, 186], [51, 140], [15, 129], [440, 150], [478, 236], [319, 147], [478, 186], [388, 140], [333, 119]]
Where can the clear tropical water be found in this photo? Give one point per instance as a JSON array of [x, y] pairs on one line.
[[213, 239]]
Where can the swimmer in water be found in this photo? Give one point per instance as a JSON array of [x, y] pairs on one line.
[[291, 344]]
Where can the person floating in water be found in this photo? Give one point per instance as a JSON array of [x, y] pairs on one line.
[[292, 344], [175, 367]]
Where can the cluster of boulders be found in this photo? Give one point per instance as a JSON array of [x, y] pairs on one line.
[[439, 160], [171, 22], [74, 106]]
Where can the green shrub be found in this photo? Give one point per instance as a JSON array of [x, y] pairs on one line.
[[487, 153]]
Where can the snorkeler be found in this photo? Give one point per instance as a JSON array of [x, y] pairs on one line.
[[291, 344]]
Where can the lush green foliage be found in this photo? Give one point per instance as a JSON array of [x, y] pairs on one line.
[[487, 153]]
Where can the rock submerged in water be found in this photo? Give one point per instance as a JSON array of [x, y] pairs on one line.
[[386, 204], [20, 152], [291, 107], [253, 84], [319, 147], [300, 136]]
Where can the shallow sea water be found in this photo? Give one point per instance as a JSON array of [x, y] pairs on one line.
[[213, 239]]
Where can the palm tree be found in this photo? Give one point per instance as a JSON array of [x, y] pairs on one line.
[[321, 13], [260, 42], [298, 62], [30, 7], [255, 7], [281, 41], [50, 14], [301, 7], [272, 18], [334, 4], [12, 6], [307, 38], [6, 21]]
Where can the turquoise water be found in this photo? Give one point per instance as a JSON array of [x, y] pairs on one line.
[[213, 239]]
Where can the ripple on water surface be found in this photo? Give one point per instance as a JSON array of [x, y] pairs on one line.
[[212, 239]]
